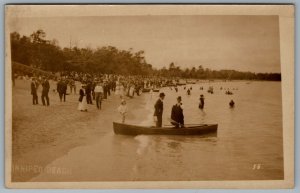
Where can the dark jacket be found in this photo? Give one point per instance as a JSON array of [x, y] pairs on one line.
[[89, 88], [82, 94], [46, 86], [177, 114], [159, 107], [33, 88], [61, 87]]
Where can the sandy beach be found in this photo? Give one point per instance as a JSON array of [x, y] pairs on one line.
[[42, 134]]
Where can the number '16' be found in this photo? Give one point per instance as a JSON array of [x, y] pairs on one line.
[[256, 166]]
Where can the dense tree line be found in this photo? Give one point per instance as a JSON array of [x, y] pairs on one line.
[[38, 52]]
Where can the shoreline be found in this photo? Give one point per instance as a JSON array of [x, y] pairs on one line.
[[66, 128]]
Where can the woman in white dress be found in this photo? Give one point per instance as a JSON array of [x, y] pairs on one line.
[[121, 90], [117, 88], [131, 91], [82, 106]]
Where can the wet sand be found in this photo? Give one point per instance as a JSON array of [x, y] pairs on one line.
[[42, 134]]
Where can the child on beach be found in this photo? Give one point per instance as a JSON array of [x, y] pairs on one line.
[[123, 110]]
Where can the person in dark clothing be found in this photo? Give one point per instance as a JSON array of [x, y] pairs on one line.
[[188, 91], [34, 86], [113, 88], [159, 107], [201, 104], [231, 104], [62, 90], [105, 91], [88, 91], [93, 89], [177, 117], [108, 88], [45, 91], [176, 89]]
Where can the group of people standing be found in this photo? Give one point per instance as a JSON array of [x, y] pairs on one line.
[[45, 91], [87, 93]]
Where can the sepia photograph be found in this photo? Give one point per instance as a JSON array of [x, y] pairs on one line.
[[149, 96]]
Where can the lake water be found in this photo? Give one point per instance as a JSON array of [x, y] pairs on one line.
[[247, 146]]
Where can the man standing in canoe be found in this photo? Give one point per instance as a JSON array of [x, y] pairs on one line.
[[159, 107], [177, 117]]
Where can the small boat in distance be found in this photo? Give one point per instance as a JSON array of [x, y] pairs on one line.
[[146, 90], [197, 129], [191, 82]]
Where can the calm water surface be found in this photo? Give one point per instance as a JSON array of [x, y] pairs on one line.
[[248, 144]]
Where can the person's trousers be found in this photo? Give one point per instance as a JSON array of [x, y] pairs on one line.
[[98, 100], [35, 99], [159, 121], [89, 99], [62, 95], [45, 95]]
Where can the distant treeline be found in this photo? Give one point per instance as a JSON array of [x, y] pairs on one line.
[[38, 52]]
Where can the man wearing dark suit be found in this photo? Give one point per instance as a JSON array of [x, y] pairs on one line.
[[45, 91], [34, 92], [88, 91], [159, 107], [62, 90], [177, 117]]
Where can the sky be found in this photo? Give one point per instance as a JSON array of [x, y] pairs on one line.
[[244, 43]]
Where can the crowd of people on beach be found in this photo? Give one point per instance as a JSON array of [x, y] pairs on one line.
[[98, 87]]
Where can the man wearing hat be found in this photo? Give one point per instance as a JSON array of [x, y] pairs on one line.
[[34, 88], [159, 107], [45, 91], [177, 117]]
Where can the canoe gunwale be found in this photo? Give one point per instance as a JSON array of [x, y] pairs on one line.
[[200, 129]]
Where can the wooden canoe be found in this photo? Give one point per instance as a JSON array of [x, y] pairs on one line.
[[201, 129]]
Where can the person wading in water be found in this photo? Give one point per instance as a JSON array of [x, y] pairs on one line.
[[201, 104]]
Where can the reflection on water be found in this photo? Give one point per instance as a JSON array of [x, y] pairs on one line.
[[144, 143], [250, 133]]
